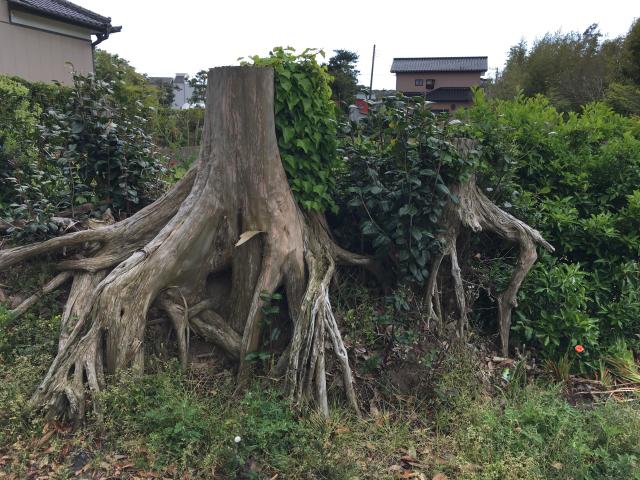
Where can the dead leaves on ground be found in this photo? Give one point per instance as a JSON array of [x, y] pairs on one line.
[[409, 466], [57, 453]]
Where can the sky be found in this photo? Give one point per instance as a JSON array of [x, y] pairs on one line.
[[162, 37]]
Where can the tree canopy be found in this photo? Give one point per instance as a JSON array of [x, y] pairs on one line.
[[342, 67], [573, 69]]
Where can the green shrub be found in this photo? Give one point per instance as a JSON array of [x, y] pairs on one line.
[[28, 185], [553, 311], [574, 177], [400, 167], [102, 148]]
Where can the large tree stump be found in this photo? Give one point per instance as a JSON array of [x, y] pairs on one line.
[[233, 217]]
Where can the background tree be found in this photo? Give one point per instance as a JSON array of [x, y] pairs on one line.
[[199, 84], [129, 86], [342, 67], [571, 69], [631, 54], [623, 95]]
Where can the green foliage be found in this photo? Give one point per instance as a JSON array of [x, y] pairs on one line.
[[401, 165], [178, 128], [631, 53], [183, 427], [129, 88], [180, 423], [557, 317], [624, 99], [379, 324], [28, 184], [26, 349], [271, 329], [102, 148], [575, 178], [61, 147], [572, 69], [305, 125]]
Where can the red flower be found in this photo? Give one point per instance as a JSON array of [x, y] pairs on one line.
[[579, 348]]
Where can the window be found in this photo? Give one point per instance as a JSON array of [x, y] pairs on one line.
[[419, 82], [431, 83]]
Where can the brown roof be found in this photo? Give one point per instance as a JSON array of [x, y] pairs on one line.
[[439, 64]]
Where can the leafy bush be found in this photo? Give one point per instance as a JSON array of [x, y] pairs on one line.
[[400, 167], [574, 177], [557, 317], [60, 147], [28, 185], [102, 148]]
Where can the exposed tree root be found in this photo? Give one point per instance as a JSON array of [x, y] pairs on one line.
[[52, 285], [182, 255], [476, 212], [315, 322]]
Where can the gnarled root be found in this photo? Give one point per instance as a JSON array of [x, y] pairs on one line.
[[315, 322], [476, 212]]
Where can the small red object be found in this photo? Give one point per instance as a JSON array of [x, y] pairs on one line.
[[579, 348]]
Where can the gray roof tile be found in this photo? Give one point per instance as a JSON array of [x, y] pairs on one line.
[[65, 11], [440, 64]]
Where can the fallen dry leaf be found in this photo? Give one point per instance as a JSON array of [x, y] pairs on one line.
[[246, 236]]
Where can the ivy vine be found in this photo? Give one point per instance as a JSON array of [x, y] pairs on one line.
[[305, 124]]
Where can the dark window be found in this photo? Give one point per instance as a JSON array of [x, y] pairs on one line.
[[431, 83], [419, 82]]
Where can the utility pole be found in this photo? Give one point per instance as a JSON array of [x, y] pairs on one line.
[[373, 62]]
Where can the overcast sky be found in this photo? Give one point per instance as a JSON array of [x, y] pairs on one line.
[[162, 37]]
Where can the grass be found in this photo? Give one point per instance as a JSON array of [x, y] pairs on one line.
[[183, 425]]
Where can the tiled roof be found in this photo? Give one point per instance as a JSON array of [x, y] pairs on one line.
[[66, 12], [440, 64], [450, 94]]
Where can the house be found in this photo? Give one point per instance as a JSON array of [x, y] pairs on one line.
[[182, 89], [444, 81], [38, 38]]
